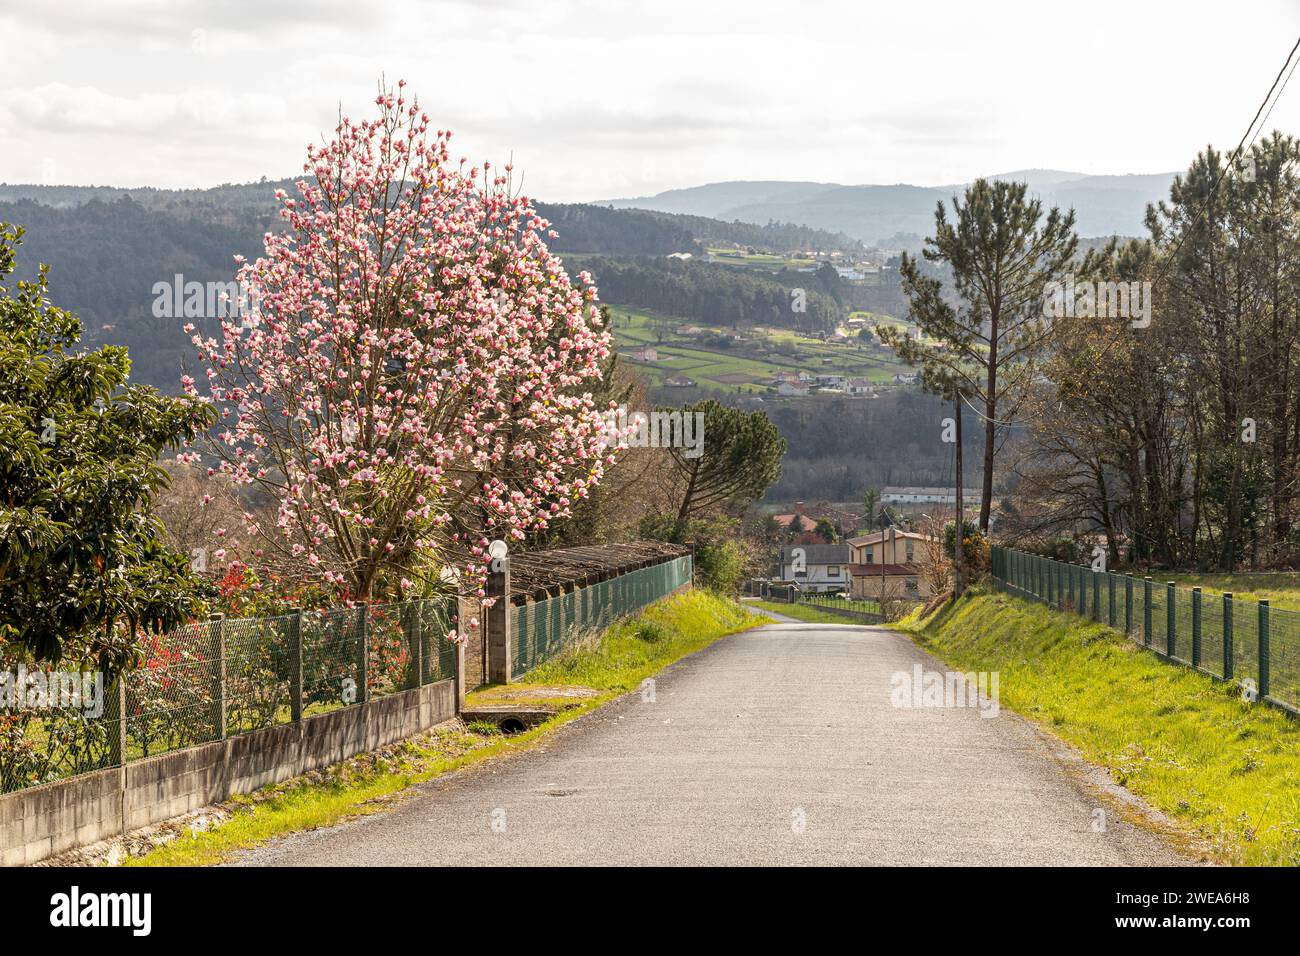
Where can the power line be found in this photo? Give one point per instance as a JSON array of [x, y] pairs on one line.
[[1235, 154]]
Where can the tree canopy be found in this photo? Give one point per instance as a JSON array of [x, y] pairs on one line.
[[80, 552]]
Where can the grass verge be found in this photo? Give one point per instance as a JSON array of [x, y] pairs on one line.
[[1226, 770], [574, 683], [803, 612]]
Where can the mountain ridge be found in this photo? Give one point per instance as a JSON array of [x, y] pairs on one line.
[[1107, 204]]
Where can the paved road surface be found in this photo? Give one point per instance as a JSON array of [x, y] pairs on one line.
[[774, 746]]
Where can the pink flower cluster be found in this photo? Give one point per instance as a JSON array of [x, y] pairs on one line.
[[414, 379]]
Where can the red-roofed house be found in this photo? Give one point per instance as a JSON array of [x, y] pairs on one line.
[[893, 560]]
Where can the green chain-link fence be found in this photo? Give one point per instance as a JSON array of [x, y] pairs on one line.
[[543, 629], [866, 611], [220, 678], [1243, 641]]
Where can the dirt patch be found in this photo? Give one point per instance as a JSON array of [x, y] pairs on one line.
[[521, 694]]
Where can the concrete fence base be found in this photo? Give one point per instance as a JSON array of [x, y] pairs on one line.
[[41, 821]]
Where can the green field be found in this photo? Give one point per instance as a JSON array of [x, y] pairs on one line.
[[747, 366], [1281, 589]]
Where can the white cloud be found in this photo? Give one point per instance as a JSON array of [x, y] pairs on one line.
[[595, 99]]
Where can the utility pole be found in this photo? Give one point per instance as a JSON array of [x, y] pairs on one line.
[[957, 586], [881, 593]]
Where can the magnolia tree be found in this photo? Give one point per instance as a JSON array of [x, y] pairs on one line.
[[409, 373]]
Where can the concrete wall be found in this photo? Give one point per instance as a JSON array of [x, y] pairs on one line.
[[41, 821]]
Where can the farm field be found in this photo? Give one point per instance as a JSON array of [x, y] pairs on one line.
[[738, 368], [1280, 589]]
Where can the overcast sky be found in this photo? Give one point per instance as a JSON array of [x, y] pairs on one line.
[[601, 99]]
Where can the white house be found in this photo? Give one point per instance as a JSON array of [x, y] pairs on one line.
[[815, 567]]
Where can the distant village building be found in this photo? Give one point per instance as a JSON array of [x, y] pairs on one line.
[[891, 562], [679, 381], [792, 389], [858, 386], [925, 496], [906, 378], [814, 567], [646, 353], [683, 256]]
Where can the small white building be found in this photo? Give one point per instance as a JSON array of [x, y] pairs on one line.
[[815, 567], [925, 496]]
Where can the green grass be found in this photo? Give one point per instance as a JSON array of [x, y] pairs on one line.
[[627, 653], [1280, 589], [802, 612], [1227, 771], [716, 369], [633, 649]]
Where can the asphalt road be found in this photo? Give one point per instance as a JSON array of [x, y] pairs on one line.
[[774, 746]]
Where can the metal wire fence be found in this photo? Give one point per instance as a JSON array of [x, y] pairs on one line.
[[543, 629], [1249, 642], [219, 678]]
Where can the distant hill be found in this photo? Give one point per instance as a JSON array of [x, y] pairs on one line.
[[1104, 205], [108, 247]]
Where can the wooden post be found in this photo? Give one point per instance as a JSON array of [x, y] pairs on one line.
[[217, 658], [295, 663]]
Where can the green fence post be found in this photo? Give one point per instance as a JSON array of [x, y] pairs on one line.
[[1096, 595], [412, 633], [1196, 627], [295, 663], [1128, 603], [1263, 649], [217, 658], [1227, 635], [363, 654], [1110, 599], [1047, 573], [1146, 610], [1069, 587], [1171, 626], [115, 712]]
